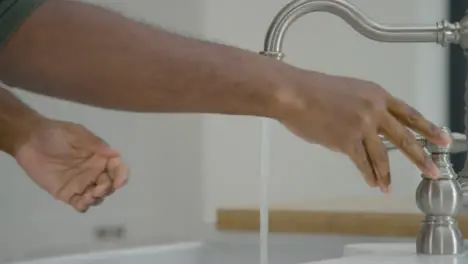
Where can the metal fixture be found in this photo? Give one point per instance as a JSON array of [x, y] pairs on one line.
[[440, 200]]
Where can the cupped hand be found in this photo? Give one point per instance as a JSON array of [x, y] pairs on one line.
[[71, 163], [347, 115]]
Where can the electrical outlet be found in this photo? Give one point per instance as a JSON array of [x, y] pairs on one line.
[[110, 233]]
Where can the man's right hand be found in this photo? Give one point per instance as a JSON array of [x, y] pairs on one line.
[[70, 163], [347, 115]]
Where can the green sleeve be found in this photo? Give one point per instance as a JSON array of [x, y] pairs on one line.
[[12, 14]]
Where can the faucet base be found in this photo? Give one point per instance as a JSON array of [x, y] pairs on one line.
[[439, 236], [272, 54]]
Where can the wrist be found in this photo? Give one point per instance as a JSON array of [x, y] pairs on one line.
[[288, 100], [17, 130]]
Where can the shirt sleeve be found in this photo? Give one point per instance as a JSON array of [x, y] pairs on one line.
[[12, 14]]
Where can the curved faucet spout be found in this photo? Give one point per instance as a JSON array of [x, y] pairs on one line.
[[442, 33]]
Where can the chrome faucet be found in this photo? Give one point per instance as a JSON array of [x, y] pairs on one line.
[[440, 200]]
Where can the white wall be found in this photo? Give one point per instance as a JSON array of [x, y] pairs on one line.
[[300, 172], [162, 200]]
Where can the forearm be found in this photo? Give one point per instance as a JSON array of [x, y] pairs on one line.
[[16, 121], [86, 54]]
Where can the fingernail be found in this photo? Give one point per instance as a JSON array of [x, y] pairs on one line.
[[447, 138], [385, 189], [122, 183]]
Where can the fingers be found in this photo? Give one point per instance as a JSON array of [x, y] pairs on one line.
[[92, 181], [407, 143], [378, 158], [360, 157], [96, 193], [118, 172], [86, 199], [75, 201], [414, 120], [93, 195], [103, 186], [82, 177], [97, 201]]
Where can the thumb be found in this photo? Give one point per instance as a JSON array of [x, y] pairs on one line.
[[89, 142]]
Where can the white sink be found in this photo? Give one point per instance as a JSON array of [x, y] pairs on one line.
[[396, 259], [389, 253], [184, 253], [196, 253], [225, 249]]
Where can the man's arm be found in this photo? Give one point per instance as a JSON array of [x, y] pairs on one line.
[[84, 53], [16, 121], [87, 54]]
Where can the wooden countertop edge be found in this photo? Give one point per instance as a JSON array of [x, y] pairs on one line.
[[328, 222]]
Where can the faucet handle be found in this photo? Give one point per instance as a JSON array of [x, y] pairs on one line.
[[458, 144]]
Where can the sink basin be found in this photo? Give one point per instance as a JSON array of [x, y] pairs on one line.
[[232, 249], [183, 253], [224, 248], [393, 259], [200, 253], [389, 253]]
